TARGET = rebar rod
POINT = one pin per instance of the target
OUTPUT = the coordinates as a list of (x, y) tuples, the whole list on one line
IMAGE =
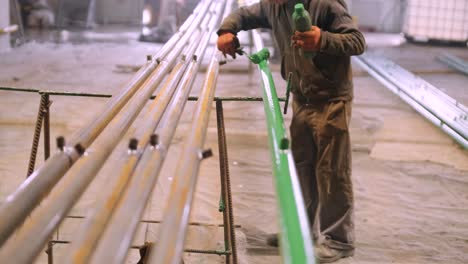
[(36, 136), (20, 203), (230, 243), (147, 221), (99, 216), (47, 126), (114, 244), (191, 98), (228, 212)]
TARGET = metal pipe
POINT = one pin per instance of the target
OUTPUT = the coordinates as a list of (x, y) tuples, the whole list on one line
[(20, 203), (99, 216), (454, 62), (114, 244)]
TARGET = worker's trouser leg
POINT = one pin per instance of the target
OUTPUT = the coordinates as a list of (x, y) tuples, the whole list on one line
[(322, 152)]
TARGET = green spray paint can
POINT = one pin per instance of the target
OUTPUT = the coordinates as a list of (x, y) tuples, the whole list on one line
[(302, 23)]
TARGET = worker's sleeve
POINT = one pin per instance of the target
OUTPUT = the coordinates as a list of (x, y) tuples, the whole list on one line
[(245, 18), (341, 37)]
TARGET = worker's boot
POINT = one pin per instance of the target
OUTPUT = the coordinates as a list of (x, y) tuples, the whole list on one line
[(326, 254)]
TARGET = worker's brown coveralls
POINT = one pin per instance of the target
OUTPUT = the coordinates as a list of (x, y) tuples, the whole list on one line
[(323, 90)]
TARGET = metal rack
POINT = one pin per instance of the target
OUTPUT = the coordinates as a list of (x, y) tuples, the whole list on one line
[(226, 203)]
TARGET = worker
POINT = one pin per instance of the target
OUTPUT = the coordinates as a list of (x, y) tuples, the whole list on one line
[(322, 90)]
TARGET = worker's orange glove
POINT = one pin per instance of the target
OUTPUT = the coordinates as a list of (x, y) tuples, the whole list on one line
[(309, 40), (228, 43)]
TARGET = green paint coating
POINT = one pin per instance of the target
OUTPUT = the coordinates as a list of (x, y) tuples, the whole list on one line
[(222, 206), (284, 145), (294, 249), (262, 55)]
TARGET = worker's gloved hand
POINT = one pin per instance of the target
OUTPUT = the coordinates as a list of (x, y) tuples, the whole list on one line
[(309, 40), (228, 43)]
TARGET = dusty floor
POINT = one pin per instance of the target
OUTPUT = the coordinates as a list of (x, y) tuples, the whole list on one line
[(410, 179)]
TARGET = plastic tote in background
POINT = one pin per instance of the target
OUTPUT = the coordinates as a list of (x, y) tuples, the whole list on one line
[(445, 21)]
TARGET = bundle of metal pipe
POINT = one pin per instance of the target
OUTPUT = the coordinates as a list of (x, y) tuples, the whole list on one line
[(17, 206), (102, 211), (116, 241), (181, 197), (131, 99), (439, 108)]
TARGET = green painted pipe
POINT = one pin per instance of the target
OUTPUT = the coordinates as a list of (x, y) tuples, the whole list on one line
[(295, 238)]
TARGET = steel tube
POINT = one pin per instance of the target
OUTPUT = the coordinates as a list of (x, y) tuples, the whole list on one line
[(19, 204), (99, 216), (454, 62), (114, 244)]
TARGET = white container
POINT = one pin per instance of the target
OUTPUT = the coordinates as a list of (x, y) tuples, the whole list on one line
[(438, 20)]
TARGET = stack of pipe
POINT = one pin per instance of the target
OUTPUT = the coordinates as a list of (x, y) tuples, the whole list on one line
[(442, 110), (110, 226)]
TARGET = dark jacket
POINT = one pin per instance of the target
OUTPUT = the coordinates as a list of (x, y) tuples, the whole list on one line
[(328, 75)]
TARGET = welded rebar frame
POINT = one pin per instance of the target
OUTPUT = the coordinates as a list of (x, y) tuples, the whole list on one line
[(230, 249)]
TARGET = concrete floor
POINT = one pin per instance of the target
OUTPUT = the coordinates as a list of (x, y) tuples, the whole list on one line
[(410, 179)]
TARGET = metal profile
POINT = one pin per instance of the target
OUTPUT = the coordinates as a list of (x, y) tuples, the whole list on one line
[(439, 108)]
